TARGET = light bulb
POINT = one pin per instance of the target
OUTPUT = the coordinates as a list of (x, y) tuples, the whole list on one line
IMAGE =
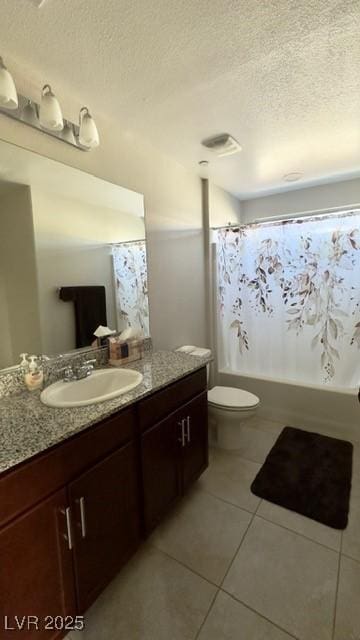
[(50, 115), (8, 94), (88, 133)]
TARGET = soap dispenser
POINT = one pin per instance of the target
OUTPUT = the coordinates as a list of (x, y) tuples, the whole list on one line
[(34, 378), (24, 364)]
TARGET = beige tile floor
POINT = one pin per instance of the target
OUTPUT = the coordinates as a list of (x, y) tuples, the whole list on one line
[(226, 565)]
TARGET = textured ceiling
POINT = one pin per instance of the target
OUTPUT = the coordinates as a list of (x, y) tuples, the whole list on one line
[(282, 76)]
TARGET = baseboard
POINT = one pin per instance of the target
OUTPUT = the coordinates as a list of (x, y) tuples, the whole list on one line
[(311, 423)]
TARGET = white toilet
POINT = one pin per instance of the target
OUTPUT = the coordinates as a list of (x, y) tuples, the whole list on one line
[(229, 410)]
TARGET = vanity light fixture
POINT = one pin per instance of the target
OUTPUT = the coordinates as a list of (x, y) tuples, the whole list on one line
[(47, 116), (50, 115), (88, 133), (67, 133), (29, 114), (8, 93)]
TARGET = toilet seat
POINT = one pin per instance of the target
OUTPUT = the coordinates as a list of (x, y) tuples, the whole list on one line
[(232, 399)]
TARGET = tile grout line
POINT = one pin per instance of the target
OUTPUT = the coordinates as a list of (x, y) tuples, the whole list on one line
[(207, 614), (272, 521), (346, 555), (302, 535), (250, 459), (220, 589), (253, 513), (337, 590), (185, 566), (261, 615), (238, 548), (192, 570), (232, 504)]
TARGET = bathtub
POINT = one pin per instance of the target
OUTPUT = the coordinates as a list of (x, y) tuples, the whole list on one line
[(329, 410)]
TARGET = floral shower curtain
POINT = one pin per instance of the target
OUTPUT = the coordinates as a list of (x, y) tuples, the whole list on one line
[(131, 291), (289, 299)]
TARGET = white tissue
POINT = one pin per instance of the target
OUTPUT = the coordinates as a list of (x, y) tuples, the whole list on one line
[(195, 351), (102, 331), (130, 333), (201, 353)]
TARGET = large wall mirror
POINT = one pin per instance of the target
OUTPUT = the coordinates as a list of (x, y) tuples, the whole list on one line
[(72, 256)]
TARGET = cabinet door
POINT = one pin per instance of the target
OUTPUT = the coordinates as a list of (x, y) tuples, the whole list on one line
[(195, 451), (105, 511), (161, 469), (36, 578)]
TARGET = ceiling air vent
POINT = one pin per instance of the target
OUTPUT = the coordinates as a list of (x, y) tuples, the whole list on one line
[(222, 145)]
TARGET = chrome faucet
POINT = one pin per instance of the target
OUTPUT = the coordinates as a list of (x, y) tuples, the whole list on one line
[(84, 370)]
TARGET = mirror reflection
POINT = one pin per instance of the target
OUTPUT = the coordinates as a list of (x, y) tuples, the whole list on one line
[(72, 256)]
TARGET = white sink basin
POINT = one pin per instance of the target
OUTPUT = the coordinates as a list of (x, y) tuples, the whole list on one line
[(101, 385)]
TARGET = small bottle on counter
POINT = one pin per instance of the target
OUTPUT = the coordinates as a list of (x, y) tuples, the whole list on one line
[(34, 377), (24, 364)]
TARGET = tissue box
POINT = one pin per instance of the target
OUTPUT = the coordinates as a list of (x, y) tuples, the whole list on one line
[(123, 351)]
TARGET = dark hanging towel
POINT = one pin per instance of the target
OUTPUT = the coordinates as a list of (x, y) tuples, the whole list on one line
[(90, 311)]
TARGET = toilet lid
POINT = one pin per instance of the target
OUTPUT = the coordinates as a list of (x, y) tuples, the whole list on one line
[(232, 397)]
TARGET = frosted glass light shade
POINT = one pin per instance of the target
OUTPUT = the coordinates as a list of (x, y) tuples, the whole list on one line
[(68, 133), (29, 114), (50, 115), (8, 93), (88, 133)]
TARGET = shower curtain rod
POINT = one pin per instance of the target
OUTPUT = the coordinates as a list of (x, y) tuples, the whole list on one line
[(116, 244), (291, 216), (308, 214), (234, 225)]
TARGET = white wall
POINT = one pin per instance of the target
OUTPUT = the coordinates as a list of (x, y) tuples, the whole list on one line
[(219, 208), (173, 218), (19, 308), (223, 207), (335, 194), (6, 347), (72, 248)]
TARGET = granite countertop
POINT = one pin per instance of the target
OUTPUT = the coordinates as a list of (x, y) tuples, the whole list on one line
[(28, 427)]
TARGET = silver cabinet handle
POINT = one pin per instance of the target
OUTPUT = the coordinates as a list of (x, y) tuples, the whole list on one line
[(188, 428), (82, 516), (68, 537), (182, 439)]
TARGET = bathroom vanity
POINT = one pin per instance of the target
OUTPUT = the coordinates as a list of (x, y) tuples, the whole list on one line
[(74, 512), (81, 486)]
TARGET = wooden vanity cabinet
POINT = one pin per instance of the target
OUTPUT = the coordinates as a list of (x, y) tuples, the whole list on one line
[(174, 451), (161, 469), (106, 522), (73, 515), (36, 575), (195, 449), (57, 556)]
